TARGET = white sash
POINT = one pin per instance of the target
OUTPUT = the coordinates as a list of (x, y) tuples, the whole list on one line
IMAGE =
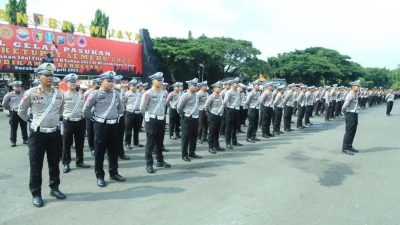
[(38, 122), (109, 107), (76, 105)]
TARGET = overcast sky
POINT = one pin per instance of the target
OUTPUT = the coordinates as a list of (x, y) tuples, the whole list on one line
[(366, 30)]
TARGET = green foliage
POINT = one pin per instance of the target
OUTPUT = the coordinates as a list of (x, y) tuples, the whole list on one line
[(316, 66), (14, 6), (100, 20), (181, 59), (70, 30)]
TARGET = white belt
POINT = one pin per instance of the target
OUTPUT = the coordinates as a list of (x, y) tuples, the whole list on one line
[(101, 120), (157, 117), (257, 107), (237, 108), (45, 130), (192, 116), (216, 114), (74, 119), (352, 110)]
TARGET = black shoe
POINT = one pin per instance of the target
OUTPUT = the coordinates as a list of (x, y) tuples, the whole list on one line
[(271, 135), (229, 146), (117, 177), (164, 150), (256, 139), (178, 136), (128, 147), (201, 141), (250, 140), (353, 150), (66, 168), (195, 156), (186, 158), (163, 164), (348, 152), (276, 133), (212, 151), (124, 157), (13, 144), (237, 144), (82, 165), (37, 201), (92, 152), (301, 127), (25, 142), (172, 138), (101, 182), (280, 132), (150, 169), (240, 131), (139, 145), (57, 194), (291, 130), (219, 149), (265, 136)]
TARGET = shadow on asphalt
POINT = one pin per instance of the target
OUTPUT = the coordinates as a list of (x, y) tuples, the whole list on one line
[(379, 149), (131, 193)]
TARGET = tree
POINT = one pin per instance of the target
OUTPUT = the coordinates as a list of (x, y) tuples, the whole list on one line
[(14, 6), (100, 20), (67, 29)]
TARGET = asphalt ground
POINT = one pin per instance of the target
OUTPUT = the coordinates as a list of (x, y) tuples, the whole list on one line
[(297, 178)]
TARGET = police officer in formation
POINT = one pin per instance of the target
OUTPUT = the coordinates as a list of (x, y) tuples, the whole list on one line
[(120, 89), (188, 108), (107, 107), (267, 111), (214, 107), (174, 118), (74, 124), (11, 102), (95, 83), (232, 100), (46, 105), (203, 120), (132, 114), (253, 104), (152, 106), (288, 101)]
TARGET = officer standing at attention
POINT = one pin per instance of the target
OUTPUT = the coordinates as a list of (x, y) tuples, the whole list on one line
[(46, 107), (107, 107), (350, 110), (95, 83), (389, 102), (132, 114), (288, 102), (203, 120), (11, 102), (121, 119), (232, 101), (301, 100), (152, 106), (74, 124), (174, 118), (215, 108), (267, 111), (188, 108), (253, 104), (278, 108), (227, 86)]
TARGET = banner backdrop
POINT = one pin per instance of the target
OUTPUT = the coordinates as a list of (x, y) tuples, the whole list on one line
[(22, 50)]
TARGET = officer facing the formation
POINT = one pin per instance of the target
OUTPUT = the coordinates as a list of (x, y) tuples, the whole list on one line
[(253, 104), (174, 118), (46, 106), (389, 99), (188, 108), (203, 120), (132, 114), (107, 106), (215, 108), (350, 110), (232, 102), (11, 102), (74, 124), (152, 106)]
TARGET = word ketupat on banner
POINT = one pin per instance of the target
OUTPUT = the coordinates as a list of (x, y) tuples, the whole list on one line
[(22, 49)]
